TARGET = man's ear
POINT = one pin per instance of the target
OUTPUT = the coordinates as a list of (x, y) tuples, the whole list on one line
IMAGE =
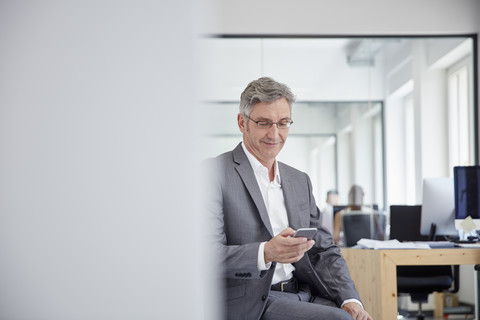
[(242, 124)]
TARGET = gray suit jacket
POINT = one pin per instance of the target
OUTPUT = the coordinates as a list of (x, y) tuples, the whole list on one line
[(240, 223)]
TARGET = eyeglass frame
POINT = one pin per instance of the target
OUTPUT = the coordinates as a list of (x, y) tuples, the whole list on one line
[(270, 123)]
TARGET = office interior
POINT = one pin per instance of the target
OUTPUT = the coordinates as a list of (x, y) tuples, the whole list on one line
[(384, 110), (99, 120), (379, 112)]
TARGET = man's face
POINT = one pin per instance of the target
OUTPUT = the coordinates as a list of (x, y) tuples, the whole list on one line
[(265, 144), (332, 199)]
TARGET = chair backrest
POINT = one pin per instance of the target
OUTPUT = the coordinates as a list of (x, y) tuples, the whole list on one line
[(405, 223), (360, 224), (405, 226)]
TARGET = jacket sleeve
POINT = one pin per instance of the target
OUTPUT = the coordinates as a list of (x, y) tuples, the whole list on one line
[(331, 277)]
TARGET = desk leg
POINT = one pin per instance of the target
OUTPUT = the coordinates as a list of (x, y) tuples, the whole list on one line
[(370, 269), (389, 288), (477, 292)]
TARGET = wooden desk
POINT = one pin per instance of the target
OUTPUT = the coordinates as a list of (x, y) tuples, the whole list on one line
[(375, 272)]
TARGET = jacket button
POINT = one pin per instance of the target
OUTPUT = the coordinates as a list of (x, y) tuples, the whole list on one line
[(264, 297)]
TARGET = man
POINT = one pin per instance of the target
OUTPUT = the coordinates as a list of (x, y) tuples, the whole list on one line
[(327, 209), (257, 204), (332, 197)]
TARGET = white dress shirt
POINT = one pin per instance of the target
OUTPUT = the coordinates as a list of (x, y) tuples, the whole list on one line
[(277, 212)]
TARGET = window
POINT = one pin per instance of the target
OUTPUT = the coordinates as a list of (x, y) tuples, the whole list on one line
[(461, 141)]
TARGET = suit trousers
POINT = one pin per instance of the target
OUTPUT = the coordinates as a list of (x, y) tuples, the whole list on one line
[(301, 306)]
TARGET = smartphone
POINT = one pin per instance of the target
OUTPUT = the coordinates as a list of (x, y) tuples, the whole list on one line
[(306, 233)]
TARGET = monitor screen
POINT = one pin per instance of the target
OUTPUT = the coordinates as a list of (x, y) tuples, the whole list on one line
[(405, 223), (341, 207), (467, 188), (438, 207), (337, 209)]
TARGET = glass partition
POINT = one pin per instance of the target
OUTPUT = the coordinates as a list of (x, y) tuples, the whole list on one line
[(370, 111)]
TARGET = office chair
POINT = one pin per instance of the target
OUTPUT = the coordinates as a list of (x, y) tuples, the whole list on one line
[(418, 281), (360, 224)]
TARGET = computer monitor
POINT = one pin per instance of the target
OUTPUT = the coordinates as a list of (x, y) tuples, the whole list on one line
[(438, 207), (338, 208), (467, 188), (405, 223)]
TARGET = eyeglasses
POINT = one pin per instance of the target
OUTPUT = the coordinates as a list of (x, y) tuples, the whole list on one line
[(265, 124)]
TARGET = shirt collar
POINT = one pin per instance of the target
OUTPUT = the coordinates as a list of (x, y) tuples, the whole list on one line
[(257, 166)]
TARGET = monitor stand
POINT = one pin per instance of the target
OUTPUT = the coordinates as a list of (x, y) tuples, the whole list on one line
[(433, 232)]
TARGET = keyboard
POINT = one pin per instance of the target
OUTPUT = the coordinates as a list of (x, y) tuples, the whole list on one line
[(438, 244), (468, 245)]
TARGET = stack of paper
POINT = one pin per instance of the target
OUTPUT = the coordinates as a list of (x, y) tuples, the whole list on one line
[(390, 244)]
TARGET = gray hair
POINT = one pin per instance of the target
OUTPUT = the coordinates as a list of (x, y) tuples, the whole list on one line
[(264, 90)]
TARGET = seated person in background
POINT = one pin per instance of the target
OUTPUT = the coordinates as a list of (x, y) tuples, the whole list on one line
[(327, 209), (332, 198), (355, 203), (256, 203)]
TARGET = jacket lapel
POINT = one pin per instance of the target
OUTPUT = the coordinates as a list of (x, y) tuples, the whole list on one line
[(295, 220), (245, 171)]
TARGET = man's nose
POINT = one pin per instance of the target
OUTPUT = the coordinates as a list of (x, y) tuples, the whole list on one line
[(273, 130)]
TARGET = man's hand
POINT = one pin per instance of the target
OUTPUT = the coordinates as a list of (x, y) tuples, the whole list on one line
[(356, 311), (284, 248)]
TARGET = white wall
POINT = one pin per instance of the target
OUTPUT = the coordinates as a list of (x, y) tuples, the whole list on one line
[(314, 17), (96, 162)]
